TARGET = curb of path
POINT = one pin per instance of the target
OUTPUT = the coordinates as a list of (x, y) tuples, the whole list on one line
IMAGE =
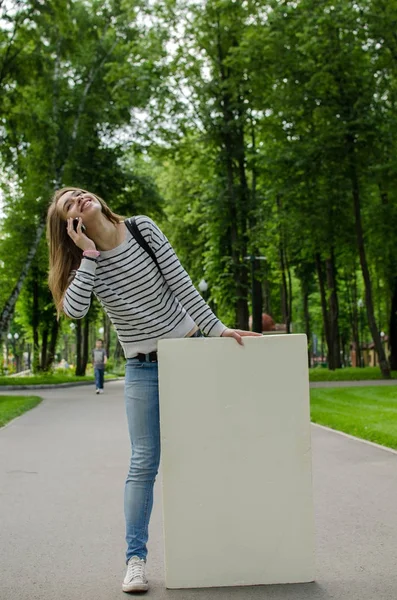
[(46, 386), (356, 439), (353, 383)]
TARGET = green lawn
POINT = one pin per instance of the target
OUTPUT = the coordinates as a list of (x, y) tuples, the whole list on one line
[(365, 412), (317, 374), (347, 374), (13, 406), (48, 379), (43, 379)]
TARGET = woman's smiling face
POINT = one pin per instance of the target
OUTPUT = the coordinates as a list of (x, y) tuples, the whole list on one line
[(78, 203)]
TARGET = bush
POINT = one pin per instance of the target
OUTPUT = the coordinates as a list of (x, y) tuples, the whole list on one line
[(116, 367)]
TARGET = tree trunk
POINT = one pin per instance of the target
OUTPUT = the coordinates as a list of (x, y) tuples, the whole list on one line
[(66, 348), (306, 314), (53, 343), (44, 341), (107, 333), (323, 297), (243, 215), (257, 295), (333, 313), (239, 266), (267, 305), (86, 337), (285, 303), (393, 329), (29, 356), (322, 345), (118, 351), (355, 324), (256, 298), (384, 366), (284, 291), (234, 153), (289, 294), (241, 311), (35, 322), (79, 366), (391, 306)]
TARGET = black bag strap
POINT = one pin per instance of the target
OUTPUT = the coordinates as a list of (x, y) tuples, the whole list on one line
[(136, 234)]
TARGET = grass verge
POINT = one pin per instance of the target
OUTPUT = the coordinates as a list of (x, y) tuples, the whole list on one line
[(14, 406), (43, 379), (49, 379), (369, 413), (347, 374)]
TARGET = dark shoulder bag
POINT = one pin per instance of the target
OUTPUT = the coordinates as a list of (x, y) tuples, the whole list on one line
[(136, 234)]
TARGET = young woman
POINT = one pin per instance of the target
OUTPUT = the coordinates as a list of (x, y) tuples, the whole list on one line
[(145, 302)]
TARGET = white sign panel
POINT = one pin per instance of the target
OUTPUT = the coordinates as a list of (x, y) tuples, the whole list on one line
[(236, 459)]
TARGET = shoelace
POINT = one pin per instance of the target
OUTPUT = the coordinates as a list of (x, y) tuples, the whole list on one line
[(136, 570)]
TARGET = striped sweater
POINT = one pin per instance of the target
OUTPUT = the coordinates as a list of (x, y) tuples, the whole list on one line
[(143, 304)]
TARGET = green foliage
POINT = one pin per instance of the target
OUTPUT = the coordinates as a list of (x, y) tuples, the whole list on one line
[(326, 76), (65, 99), (241, 127), (115, 368)]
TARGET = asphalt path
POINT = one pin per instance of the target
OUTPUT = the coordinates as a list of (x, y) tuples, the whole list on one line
[(62, 471)]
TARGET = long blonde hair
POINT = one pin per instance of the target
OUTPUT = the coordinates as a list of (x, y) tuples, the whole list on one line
[(64, 254)]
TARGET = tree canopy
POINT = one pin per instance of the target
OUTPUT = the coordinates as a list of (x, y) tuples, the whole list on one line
[(260, 135)]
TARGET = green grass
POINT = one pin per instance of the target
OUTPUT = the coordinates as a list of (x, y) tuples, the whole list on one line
[(13, 406), (347, 374), (49, 379), (43, 379), (369, 413)]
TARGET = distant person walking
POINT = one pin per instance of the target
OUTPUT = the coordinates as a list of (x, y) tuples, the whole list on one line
[(99, 360)]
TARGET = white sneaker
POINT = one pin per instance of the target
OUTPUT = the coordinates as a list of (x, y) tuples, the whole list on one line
[(97, 391), (100, 390), (135, 579)]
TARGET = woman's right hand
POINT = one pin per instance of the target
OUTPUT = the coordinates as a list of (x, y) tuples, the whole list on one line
[(78, 237)]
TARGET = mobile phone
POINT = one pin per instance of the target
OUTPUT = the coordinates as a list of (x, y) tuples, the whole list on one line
[(75, 223)]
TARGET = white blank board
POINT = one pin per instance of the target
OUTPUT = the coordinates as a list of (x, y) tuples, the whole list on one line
[(236, 459)]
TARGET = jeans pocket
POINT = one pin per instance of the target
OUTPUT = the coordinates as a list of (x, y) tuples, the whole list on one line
[(134, 365)]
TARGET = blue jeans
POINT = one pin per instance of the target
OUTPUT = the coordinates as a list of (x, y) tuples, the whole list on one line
[(142, 407), (99, 377), (143, 415)]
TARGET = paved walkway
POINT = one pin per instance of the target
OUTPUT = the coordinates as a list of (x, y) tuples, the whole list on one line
[(62, 470)]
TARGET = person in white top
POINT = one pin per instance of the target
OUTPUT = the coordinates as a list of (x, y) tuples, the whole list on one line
[(148, 296)]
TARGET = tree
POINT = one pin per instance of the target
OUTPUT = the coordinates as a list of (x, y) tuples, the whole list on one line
[(72, 83)]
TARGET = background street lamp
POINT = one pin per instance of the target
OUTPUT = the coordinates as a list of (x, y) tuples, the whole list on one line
[(9, 337), (203, 287), (13, 339)]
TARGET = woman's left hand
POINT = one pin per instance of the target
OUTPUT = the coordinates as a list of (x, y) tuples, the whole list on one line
[(238, 334)]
